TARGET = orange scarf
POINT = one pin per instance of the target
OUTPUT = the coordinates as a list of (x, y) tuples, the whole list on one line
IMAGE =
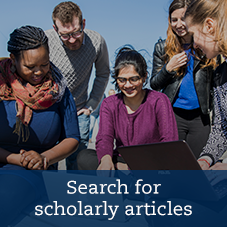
[(27, 96)]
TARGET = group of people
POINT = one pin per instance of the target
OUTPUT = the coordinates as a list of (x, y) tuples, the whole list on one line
[(45, 108)]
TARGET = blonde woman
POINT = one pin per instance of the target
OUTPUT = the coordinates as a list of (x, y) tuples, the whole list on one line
[(206, 21)]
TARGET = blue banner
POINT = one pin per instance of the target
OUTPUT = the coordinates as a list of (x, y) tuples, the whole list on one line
[(113, 198)]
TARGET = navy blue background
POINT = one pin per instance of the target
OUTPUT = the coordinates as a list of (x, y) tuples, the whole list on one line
[(21, 191)]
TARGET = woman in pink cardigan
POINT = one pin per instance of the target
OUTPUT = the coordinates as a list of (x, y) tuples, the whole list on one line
[(132, 117)]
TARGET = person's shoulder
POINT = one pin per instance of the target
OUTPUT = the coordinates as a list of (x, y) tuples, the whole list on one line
[(91, 32), (94, 36), (221, 68), (220, 75), (160, 45), (54, 43), (50, 32), (5, 61), (156, 95), (112, 100), (52, 35), (67, 100), (66, 95)]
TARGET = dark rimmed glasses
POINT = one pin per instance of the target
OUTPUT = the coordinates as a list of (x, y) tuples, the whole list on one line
[(132, 80), (75, 35)]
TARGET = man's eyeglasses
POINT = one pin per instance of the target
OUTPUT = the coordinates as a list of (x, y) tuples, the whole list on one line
[(75, 35), (132, 80)]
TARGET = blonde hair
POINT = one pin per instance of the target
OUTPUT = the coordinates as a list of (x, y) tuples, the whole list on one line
[(199, 10)]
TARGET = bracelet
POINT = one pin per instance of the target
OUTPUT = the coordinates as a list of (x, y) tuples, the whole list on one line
[(205, 161)]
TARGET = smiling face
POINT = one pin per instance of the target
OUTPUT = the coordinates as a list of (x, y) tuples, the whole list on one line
[(133, 86), (177, 22), (68, 28), (32, 65), (204, 37)]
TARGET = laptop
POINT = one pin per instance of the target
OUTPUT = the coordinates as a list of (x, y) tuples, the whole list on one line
[(174, 155), (165, 158)]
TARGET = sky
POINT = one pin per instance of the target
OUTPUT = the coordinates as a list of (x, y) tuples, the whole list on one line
[(138, 23)]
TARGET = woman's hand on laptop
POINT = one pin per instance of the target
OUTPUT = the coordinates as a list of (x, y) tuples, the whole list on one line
[(122, 166), (106, 164), (204, 163), (219, 166)]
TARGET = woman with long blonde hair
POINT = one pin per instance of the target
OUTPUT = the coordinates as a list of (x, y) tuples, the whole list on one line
[(182, 73), (206, 21)]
